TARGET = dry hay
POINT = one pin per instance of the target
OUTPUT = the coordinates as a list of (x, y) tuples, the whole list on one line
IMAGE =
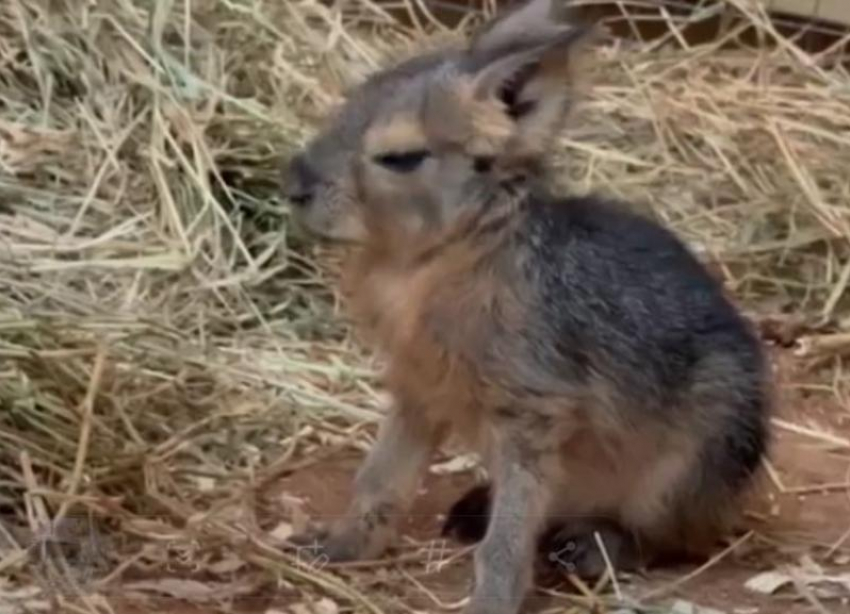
[(168, 347)]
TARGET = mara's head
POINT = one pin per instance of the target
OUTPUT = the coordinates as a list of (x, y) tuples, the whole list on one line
[(420, 145)]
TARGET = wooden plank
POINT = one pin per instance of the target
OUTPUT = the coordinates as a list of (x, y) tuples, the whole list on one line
[(831, 11), (836, 11)]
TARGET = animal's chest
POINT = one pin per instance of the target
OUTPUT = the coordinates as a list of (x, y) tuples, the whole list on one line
[(432, 328)]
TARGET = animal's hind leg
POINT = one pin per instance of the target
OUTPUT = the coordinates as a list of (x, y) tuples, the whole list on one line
[(586, 547), (570, 546)]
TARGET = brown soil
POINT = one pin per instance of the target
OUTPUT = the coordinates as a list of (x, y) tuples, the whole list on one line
[(785, 525)]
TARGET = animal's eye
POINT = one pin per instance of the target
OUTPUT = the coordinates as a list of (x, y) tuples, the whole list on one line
[(402, 162)]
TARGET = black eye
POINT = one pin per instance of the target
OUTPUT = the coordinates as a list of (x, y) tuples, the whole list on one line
[(402, 162), (483, 164)]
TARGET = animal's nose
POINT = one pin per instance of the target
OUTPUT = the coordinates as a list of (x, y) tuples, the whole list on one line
[(300, 181)]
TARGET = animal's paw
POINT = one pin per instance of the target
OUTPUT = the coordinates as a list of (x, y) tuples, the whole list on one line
[(475, 607), (479, 605), (576, 550), (350, 540)]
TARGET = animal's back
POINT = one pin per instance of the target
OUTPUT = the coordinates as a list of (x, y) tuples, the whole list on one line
[(621, 294), (673, 373)]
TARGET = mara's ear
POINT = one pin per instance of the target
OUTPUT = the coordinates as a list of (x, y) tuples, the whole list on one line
[(527, 21), (523, 65)]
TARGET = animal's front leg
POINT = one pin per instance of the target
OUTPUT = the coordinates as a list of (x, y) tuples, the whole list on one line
[(383, 489), (504, 562)]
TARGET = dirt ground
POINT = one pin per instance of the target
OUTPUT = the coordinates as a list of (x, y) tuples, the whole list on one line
[(810, 518)]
